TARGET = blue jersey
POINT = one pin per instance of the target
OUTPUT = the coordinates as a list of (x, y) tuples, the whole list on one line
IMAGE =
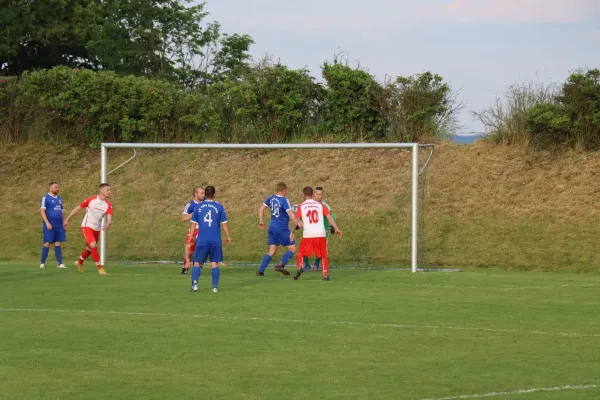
[(54, 209), (209, 215), (279, 205), (190, 207)]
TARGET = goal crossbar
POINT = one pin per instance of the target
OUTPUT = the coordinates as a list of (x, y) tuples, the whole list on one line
[(414, 147)]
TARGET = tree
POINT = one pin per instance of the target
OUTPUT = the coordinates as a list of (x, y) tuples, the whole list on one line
[(350, 104), (421, 106), (160, 38), (573, 118), (39, 34), (220, 57), (288, 100)]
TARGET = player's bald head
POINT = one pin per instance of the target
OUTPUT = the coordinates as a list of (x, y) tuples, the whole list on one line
[(198, 192)]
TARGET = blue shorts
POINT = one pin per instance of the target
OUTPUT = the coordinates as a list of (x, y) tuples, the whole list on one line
[(203, 253), (56, 234), (280, 238)]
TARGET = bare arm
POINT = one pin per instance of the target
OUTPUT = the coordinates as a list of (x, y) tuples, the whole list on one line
[(261, 214), (186, 217), (45, 218), (297, 224), (75, 211), (225, 226), (332, 223), (108, 222)]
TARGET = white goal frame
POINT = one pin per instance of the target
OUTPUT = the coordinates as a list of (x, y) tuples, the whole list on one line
[(225, 146)]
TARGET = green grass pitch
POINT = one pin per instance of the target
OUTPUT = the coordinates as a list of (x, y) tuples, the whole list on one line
[(138, 333)]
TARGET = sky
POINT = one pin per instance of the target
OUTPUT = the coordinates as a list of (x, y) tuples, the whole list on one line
[(480, 47)]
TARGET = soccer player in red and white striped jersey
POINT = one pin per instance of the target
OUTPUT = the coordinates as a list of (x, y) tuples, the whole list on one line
[(314, 236), (96, 208)]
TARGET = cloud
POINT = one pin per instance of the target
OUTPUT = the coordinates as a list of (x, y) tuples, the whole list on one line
[(516, 11)]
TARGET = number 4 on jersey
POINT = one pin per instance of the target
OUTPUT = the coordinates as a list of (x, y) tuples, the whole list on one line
[(208, 218)]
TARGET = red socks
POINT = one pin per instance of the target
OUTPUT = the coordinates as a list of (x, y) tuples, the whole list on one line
[(84, 255), (325, 266), (95, 255)]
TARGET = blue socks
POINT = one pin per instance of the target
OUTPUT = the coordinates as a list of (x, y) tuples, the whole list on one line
[(196, 274), (216, 274), (318, 262), (265, 262), (58, 254), (287, 256), (45, 251)]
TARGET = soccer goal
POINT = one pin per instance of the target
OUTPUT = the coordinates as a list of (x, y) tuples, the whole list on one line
[(414, 168)]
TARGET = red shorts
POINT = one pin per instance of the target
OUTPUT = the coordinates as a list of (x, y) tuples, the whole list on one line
[(190, 239), (90, 235), (318, 245)]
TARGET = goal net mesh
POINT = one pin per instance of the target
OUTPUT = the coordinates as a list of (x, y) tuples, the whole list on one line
[(369, 190)]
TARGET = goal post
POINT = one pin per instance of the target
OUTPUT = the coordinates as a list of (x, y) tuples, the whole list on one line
[(413, 147)]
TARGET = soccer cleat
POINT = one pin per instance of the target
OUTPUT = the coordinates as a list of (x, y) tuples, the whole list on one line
[(184, 271), (79, 266), (315, 267), (281, 268), (194, 287), (61, 266), (307, 267), (326, 278), (300, 271), (259, 273), (101, 271), (42, 266), (215, 290)]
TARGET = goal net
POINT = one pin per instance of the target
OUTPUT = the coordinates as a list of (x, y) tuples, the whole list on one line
[(378, 192)]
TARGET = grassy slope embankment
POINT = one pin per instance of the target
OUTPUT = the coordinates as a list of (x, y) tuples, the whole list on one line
[(486, 205)]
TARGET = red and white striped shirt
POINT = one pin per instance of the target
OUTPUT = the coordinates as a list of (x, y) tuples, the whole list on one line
[(96, 210)]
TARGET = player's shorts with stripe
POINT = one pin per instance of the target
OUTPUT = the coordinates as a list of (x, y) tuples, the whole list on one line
[(191, 238), (56, 234), (203, 253), (90, 235), (190, 241), (317, 245), (280, 237)]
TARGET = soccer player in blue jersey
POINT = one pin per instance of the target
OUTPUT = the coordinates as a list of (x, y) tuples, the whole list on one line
[(279, 233), (209, 216), (190, 240), (51, 211)]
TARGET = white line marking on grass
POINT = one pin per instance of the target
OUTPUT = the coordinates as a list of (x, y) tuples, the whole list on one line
[(426, 285), (522, 391), (299, 321), (549, 286), (412, 284)]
